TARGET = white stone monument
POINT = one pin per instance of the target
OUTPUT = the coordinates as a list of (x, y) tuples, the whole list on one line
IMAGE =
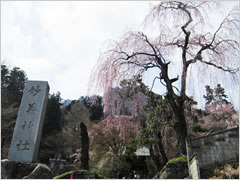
[(28, 128)]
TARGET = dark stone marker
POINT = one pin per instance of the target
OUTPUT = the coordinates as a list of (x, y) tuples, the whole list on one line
[(85, 147)]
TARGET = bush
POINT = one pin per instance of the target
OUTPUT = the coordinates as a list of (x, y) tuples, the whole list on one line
[(151, 167), (177, 160), (199, 128), (175, 168)]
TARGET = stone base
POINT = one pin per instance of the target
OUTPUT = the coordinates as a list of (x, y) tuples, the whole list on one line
[(20, 170), (174, 170)]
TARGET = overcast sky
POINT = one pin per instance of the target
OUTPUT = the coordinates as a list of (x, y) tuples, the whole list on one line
[(60, 41)]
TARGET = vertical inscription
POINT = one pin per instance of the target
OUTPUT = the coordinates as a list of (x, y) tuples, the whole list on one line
[(23, 146), (26, 146), (27, 133), (34, 90), (26, 125), (31, 108)]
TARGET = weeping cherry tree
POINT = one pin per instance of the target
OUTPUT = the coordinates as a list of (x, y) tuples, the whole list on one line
[(184, 36)]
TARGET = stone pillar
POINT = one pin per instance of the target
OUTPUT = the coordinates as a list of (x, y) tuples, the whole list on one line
[(28, 128)]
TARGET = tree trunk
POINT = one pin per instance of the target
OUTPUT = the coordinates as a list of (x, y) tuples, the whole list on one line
[(180, 126), (181, 129), (163, 154), (85, 147), (155, 159)]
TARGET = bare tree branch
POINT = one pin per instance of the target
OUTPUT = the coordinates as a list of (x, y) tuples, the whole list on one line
[(154, 82), (221, 68)]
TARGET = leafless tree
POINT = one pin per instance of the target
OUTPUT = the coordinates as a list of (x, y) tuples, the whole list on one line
[(184, 37)]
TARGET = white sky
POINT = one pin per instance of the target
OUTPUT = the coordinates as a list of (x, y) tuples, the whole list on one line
[(60, 41)]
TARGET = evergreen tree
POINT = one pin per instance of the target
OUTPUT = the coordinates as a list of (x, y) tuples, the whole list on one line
[(12, 85), (94, 105), (220, 94), (4, 85), (4, 76), (216, 95), (52, 142), (54, 118), (209, 97), (157, 116), (16, 85)]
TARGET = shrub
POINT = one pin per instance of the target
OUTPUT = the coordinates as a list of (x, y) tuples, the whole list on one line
[(199, 128)]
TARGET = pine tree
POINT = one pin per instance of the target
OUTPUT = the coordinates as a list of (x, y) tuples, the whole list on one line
[(54, 118), (210, 98), (216, 95), (220, 94), (12, 85)]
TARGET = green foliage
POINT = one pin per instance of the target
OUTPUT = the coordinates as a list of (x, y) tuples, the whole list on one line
[(16, 85), (62, 175), (116, 167), (218, 94), (4, 76), (76, 172), (181, 159), (95, 108), (109, 168), (189, 103), (151, 167), (199, 128), (158, 113), (54, 118), (157, 116), (177, 160), (97, 156), (96, 112), (147, 137), (95, 171), (130, 87), (209, 97), (131, 147), (12, 85), (124, 167), (98, 150), (53, 141)]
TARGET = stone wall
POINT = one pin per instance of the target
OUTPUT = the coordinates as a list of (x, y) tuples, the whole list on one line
[(194, 168), (215, 149)]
